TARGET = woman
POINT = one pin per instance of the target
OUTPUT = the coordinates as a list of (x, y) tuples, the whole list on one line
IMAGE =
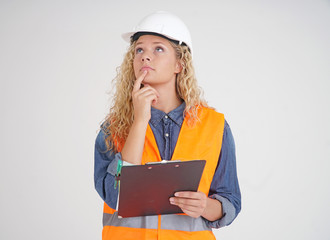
[(158, 108)]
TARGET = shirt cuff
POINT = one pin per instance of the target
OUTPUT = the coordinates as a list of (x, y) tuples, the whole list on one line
[(228, 211), (112, 168)]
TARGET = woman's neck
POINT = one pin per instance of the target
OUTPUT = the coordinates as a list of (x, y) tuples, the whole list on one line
[(168, 99)]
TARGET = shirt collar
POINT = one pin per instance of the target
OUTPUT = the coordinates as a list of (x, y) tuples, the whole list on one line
[(175, 115)]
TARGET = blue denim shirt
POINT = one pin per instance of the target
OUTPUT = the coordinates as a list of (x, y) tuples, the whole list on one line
[(166, 129)]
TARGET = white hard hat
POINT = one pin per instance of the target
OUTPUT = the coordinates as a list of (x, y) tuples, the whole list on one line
[(165, 24)]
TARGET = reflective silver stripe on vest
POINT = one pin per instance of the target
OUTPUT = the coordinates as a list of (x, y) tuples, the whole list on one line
[(183, 223), (150, 222), (168, 222)]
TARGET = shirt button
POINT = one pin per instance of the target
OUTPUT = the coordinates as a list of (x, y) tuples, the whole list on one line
[(166, 134), (166, 116)]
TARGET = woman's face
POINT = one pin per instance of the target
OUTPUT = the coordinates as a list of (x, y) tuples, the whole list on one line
[(157, 56)]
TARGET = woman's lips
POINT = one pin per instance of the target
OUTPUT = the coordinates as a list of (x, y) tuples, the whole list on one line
[(146, 68)]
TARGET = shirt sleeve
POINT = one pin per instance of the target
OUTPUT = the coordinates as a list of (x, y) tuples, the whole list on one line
[(224, 186), (105, 168)]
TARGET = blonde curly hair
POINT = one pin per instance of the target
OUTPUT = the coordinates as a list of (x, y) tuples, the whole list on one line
[(120, 118)]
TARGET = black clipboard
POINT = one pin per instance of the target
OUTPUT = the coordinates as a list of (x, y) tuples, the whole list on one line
[(146, 189)]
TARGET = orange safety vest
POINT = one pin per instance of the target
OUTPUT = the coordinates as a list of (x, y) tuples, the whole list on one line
[(203, 141)]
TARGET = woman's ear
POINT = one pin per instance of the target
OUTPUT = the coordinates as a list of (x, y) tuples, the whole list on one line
[(178, 66)]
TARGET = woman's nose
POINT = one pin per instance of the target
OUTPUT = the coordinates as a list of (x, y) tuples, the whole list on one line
[(146, 57)]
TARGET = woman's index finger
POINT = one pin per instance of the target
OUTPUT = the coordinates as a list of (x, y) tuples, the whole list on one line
[(138, 81), (189, 194)]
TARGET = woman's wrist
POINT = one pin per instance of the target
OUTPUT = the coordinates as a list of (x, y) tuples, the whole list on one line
[(213, 210), (140, 123), (133, 148)]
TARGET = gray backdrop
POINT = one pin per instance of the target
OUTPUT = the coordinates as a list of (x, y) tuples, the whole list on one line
[(264, 64)]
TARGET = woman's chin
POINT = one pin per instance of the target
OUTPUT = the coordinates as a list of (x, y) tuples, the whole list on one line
[(148, 80)]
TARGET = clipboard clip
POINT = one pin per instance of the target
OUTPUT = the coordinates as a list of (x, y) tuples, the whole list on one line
[(164, 162)]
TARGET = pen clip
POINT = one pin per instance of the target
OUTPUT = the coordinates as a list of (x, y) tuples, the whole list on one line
[(117, 181), (117, 176)]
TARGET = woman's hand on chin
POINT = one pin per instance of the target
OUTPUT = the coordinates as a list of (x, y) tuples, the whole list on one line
[(143, 98)]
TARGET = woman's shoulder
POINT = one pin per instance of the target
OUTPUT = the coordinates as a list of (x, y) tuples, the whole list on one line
[(105, 126), (102, 135), (210, 111)]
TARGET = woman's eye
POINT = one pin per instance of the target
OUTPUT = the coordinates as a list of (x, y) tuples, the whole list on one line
[(138, 50), (159, 49)]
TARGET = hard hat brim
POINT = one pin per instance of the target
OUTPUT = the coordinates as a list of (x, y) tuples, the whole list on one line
[(127, 36)]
